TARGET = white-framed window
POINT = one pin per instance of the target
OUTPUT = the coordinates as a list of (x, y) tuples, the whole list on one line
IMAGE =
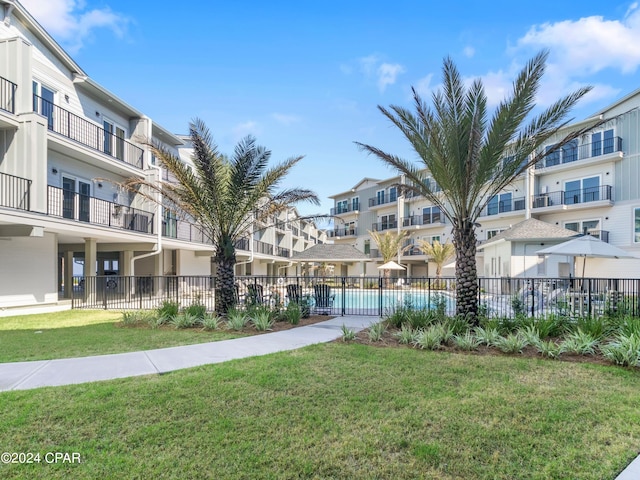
[(500, 203), (493, 232), (432, 185), (388, 221), (114, 136), (602, 142), (592, 227), (431, 215), (44, 101), (393, 194), (341, 206), (582, 190), (76, 197), (355, 204), (379, 197)]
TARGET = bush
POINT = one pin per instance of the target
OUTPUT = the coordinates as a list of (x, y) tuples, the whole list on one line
[(466, 341), (261, 319), (580, 343), (135, 317), (623, 350), (549, 349), (197, 310), (486, 336), (347, 333), (210, 321), (377, 331), (236, 319), (596, 327), (183, 320), (530, 334), (406, 335), (292, 313), (512, 343), (431, 338), (167, 310)]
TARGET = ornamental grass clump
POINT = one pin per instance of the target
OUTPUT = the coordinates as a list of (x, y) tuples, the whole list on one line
[(377, 331), (184, 320), (210, 321), (347, 333), (512, 343), (549, 348), (406, 335), (261, 319), (293, 313), (623, 350), (430, 338), (487, 336), (466, 341), (579, 343), (236, 319)]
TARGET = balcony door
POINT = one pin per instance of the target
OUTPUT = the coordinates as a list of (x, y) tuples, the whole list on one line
[(76, 197), (113, 139), (44, 104)]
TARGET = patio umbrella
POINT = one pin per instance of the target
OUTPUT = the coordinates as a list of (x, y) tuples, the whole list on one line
[(586, 246), (391, 266)]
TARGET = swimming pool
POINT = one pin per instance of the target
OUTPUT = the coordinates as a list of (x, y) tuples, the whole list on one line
[(366, 301)]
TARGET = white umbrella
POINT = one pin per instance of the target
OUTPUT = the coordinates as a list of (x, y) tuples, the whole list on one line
[(391, 266), (586, 246)]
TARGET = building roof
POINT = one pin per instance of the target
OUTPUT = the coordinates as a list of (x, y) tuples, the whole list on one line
[(330, 253), (531, 229)]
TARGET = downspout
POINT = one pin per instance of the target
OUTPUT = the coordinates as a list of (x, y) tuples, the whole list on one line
[(158, 220)]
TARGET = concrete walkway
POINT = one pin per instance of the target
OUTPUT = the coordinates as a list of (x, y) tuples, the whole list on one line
[(67, 371)]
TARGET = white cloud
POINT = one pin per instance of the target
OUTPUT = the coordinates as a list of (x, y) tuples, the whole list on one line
[(285, 119), (468, 51), (368, 64), (71, 23), (423, 86), (249, 127), (388, 73)]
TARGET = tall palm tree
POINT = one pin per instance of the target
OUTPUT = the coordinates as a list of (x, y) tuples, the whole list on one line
[(225, 196), (439, 253), (389, 245), (472, 157)]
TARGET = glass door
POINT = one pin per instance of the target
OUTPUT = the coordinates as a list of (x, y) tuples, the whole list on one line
[(84, 201), (68, 197)]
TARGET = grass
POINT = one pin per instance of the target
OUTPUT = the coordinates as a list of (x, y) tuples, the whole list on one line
[(320, 413), (79, 333)]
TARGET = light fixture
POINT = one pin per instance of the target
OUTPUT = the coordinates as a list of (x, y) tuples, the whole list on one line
[(99, 185), (54, 170)]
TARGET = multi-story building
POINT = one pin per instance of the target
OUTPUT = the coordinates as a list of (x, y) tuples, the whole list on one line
[(65, 143), (591, 184)]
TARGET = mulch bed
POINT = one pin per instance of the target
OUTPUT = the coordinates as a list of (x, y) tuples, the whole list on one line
[(283, 325)]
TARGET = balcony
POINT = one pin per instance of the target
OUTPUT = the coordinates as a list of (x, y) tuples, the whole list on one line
[(599, 234), (242, 244), (343, 232), (412, 250), (380, 226), (342, 208), (383, 200), (15, 192), (283, 252), (497, 208), (89, 134), (7, 95), (262, 247), (573, 197), (417, 220), (184, 230), (573, 153), (84, 208)]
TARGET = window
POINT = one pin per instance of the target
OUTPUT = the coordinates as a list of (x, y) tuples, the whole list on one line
[(553, 156), (570, 151), (636, 223), (170, 224), (542, 265), (341, 206), (367, 247), (387, 221), (432, 185), (591, 227), (43, 102), (431, 215), (500, 203), (76, 198), (582, 190), (598, 146), (113, 139), (355, 204), (494, 232), (379, 197)]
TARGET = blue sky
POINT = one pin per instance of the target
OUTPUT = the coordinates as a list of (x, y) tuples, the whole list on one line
[(306, 77)]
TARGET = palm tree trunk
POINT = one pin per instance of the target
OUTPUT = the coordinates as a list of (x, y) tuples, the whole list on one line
[(225, 259), (464, 240)]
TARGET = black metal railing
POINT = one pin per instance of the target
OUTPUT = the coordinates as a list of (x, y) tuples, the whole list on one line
[(503, 206), (572, 197), (262, 247), (499, 297), (84, 208), (342, 232), (573, 153), (243, 244), (341, 208), (375, 201), (599, 234), (426, 219), (81, 130), (15, 192), (380, 226), (282, 252), (184, 230), (7, 95)]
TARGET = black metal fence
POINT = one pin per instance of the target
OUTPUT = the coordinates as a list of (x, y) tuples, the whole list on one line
[(7, 95), (15, 192), (498, 297)]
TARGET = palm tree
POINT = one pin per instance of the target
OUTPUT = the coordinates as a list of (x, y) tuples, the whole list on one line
[(389, 245), (473, 158), (225, 196), (439, 253)]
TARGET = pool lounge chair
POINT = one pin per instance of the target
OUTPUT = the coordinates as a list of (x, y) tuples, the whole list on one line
[(323, 299), (294, 293), (256, 296)]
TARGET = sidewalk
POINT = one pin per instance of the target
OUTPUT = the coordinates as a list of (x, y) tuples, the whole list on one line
[(67, 371)]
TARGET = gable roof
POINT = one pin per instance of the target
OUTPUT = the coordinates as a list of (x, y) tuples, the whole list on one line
[(330, 252), (531, 229)]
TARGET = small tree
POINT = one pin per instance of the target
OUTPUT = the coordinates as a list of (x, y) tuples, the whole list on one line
[(389, 245), (439, 253)]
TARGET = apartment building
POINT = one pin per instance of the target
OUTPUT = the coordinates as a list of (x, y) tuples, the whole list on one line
[(590, 185), (65, 143)]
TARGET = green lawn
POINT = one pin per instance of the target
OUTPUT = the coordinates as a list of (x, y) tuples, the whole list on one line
[(337, 411), (79, 333)]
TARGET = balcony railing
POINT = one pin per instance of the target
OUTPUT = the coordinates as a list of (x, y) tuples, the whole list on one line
[(380, 226), (77, 128), (283, 252), (375, 201), (430, 219), (572, 197), (599, 234), (84, 208), (7, 95), (341, 208), (262, 247), (184, 230), (513, 205), (242, 244), (343, 232), (15, 192), (572, 153)]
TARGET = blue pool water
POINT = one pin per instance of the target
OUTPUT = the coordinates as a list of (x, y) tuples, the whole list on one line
[(355, 300)]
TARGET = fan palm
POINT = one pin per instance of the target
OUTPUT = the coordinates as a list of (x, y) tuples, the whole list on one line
[(389, 245), (439, 253), (471, 157), (225, 196)]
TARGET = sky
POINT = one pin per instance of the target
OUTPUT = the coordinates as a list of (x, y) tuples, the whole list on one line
[(306, 78)]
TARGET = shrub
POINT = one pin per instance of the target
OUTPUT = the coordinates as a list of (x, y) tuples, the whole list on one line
[(440, 305), (211, 321), (430, 338), (512, 343), (530, 334), (486, 336), (197, 310), (466, 341), (135, 317), (552, 325), (596, 327), (549, 349), (183, 320), (293, 313), (261, 319), (629, 326), (623, 350), (167, 310), (377, 331), (406, 335), (457, 325), (236, 319), (580, 343), (347, 333)]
